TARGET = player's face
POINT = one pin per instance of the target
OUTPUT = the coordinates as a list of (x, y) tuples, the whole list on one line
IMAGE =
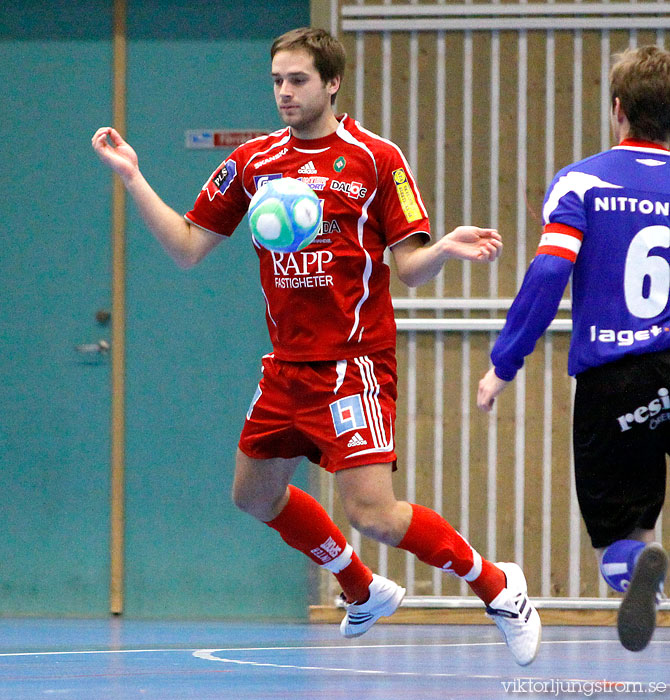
[(302, 98)]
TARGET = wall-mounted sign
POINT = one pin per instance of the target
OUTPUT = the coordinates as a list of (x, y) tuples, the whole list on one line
[(220, 138)]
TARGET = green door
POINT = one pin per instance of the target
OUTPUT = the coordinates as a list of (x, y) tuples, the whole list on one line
[(54, 278)]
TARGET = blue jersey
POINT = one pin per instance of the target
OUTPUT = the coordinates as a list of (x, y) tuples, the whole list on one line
[(606, 222)]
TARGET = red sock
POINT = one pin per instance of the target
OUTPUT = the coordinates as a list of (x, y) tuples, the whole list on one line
[(305, 526), (433, 541)]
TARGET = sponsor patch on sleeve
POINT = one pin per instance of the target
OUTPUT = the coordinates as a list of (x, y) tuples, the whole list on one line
[(221, 180), (406, 196)]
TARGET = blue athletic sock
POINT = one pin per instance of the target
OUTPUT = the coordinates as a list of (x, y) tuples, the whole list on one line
[(619, 561)]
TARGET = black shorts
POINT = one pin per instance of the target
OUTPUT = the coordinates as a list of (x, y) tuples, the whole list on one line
[(621, 434)]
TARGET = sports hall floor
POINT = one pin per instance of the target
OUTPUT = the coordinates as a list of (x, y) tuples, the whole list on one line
[(119, 659)]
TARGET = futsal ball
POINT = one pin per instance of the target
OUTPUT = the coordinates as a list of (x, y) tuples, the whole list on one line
[(285, 215)]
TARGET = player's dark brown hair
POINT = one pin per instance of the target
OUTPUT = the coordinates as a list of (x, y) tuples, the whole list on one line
[(327, 52), (640, 78)]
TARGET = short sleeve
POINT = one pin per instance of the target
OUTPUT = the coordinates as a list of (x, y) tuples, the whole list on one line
[(402, 210), (222, 202)]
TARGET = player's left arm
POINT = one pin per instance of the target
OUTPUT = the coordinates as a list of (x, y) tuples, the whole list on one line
[(532, 311), (418, 263)]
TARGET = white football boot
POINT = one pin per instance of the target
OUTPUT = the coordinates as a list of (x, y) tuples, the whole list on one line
[(515, 617), (385, 597)]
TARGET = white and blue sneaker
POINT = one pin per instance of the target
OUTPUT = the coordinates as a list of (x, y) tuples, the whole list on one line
[(385, 597), (636, 620), (515, 616)]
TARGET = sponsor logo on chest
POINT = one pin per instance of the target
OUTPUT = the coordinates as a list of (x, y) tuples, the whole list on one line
[(316, 183), (270, 159), (355, 190), (302, 270), (308, 169)]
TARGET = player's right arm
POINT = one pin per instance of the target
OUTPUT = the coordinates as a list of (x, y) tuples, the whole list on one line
[(185, 242)]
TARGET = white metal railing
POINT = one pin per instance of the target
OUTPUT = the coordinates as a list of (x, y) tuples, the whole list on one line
[(522, 16), (462, 324), (438, 325), (442, 316)]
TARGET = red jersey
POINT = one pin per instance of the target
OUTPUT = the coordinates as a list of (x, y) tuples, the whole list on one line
[(331, 300)]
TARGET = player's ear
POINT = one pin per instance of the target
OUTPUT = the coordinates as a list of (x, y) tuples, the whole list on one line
[(333, 85), (617, 111)]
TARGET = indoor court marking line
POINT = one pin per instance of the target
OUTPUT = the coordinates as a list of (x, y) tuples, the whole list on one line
[(208, 655), (309, 648), (93, 651)]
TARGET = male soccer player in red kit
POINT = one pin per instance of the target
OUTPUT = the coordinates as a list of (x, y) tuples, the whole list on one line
[(328, 388)]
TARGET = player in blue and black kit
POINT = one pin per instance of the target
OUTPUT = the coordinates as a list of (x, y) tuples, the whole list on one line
[(607, 223)]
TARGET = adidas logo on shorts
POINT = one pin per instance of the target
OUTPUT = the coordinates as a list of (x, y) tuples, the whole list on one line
[(357, 441), (308, 169)]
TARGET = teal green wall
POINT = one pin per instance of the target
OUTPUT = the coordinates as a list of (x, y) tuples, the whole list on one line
[(54, 406), (194, 338)]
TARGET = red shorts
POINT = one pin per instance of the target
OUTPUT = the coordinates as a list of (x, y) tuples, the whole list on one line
[(338, 414)]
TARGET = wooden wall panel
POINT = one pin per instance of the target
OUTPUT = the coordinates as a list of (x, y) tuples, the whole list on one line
[(577, 132)]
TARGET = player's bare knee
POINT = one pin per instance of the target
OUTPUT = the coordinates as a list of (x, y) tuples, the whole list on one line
[(242, 499), (260, 504), (248, 501), (372, 523)]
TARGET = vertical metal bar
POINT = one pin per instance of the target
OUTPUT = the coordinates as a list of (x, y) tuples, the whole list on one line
[(495, 151), (413, 148), (604, 90), (386, 85), (520, 412), (520, 394), (546, 465), (438, 442), (386, 96), (467, 149), (577, 149), (464, 526), (117, 496), (492, 441), (411, 446), (550, 117), (577, 101), (522, 107), (360, 77), (438, 230), (413, 111), (550, 98), (413, 155), (437, 222), (334, 15), (519, 465)]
